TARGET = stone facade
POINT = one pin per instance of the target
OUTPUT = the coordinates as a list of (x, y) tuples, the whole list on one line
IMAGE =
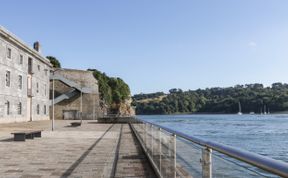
[(24, 81), (69, 84)]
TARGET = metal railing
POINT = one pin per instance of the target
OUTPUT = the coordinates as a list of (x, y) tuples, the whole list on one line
[(159, 143)]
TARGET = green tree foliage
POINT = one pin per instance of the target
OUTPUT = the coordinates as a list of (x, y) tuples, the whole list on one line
[(112, 90), (146, 96), (253, 98), (54, 61)]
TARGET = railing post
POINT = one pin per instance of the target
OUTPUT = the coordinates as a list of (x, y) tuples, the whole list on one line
[(160, 152), (264, 163), (143, 132), (206, 163), (174, 154), (145, 140), (152, 142)]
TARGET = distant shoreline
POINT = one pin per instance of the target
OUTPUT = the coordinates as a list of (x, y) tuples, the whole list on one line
[(274, 113)]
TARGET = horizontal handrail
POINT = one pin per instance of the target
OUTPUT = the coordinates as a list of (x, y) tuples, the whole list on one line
[(276, 167)]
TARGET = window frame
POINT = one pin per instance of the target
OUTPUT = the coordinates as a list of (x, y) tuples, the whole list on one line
[(21, 59), (7, 107), (45, 110), (45, 89), (19, 108), (6, 80), (20, 85), (37, 87), (38, 109), (9, 52)]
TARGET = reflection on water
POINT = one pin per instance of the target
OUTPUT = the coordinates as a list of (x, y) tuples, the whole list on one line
[(262, 134)]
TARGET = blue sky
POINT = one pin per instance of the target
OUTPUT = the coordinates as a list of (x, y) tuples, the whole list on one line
[(159, 45)]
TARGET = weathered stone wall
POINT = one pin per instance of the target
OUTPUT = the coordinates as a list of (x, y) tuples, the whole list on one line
[(81, 77), (15, 95), (90, 106), (60, 88), (90, 101), (41, 93)]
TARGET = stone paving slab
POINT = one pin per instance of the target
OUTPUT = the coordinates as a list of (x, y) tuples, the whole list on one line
[(91, 150), (131, 159)]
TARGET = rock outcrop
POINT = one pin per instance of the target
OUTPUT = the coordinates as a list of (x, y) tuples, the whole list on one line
[(123, 109)]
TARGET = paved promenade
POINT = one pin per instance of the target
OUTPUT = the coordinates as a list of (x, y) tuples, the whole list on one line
[(92, 150)]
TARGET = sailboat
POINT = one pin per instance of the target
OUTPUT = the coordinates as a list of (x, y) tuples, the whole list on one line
[(265, 110), (240, 110)]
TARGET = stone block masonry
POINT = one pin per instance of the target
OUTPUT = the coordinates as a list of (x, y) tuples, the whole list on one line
[(24, 81), (74, 88)]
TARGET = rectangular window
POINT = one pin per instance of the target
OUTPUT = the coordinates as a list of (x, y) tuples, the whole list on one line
[(38, 109), (30, 65), (45, 88), (19, 108), (38, 67), (45, 111), (21, 59), (37, 87), (7, 105), (46, 72), (20, 82), (9, 53), (8, 75)]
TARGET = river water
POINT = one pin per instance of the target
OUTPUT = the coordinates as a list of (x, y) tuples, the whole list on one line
[(263, 134)]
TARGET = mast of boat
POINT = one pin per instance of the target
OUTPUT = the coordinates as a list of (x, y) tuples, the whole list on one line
[(240, 109), (265, 109)]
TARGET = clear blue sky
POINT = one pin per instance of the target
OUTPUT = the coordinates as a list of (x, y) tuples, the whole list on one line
[(159, 45)]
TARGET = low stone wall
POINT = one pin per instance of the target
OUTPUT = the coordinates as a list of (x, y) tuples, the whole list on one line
[(116, 120)]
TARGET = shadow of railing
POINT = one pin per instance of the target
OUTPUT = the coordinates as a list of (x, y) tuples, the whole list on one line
[(70, 170)]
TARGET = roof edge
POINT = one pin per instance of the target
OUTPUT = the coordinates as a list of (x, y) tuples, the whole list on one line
[(14, 39)]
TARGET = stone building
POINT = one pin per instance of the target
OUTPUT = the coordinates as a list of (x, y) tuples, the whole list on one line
[(24, 80), (76, 92)]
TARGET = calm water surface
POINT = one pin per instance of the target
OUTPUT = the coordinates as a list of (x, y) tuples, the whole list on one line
[(263, 134)]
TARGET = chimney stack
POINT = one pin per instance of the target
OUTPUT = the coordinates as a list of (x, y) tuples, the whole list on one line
[(37, 46)]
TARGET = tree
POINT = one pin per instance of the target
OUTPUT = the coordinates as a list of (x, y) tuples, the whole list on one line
[(113, 90), (253, 98), (54, 61)]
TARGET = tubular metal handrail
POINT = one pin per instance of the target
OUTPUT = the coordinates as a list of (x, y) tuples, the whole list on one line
[(270, 165)]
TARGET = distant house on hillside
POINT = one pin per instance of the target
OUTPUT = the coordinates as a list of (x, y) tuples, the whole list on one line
[(24, 80), (69, 85)]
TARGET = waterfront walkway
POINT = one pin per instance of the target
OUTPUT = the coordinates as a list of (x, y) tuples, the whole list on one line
[(92, 150)]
